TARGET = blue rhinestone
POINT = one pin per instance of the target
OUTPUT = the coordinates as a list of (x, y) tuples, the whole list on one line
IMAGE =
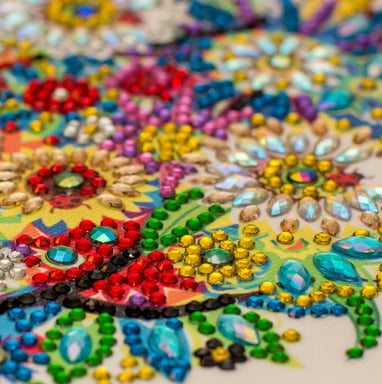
[(75, 345), (338, 310), (236, 328), (296, 312), (23, 374), (41, 358), (11, 345), (52, 308), (138, 350), (24, 325), (177, 374), (174, 323), (62, 255), (255, 302), (165, 341), (38, 317), (103, 235), (319, 310), (133, 339), (275, 305), (19, 356), (294, 277), (16, 314), (9, 367), (131, 329), (29, 339)]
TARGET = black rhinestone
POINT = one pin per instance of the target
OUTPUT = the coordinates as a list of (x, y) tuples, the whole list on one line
[(26, 299), (170, 312), (72, 302), (96, 275), (241, 102), (151, 313), (102, 306), (132, 311), (239, 359), (132, 253), (236, 349), (49, 294), (193, 306), (119, 260), (227, 365), (214, 343), (109, 268), (201, 352), (89, 305), (211, 304), (226, 299), (84, 283), (8, 304), (207, 361), (62, 288)]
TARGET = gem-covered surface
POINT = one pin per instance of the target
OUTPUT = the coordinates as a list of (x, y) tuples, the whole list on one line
[(180, 181)]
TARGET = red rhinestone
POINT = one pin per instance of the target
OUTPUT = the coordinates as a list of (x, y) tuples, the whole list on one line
[(95, 258), (157, 298), (134, 235), (24, 239), (156, 256), (74, 273), (40, 278), (41, 242), (43, 172), (33, 180), (87, 225), (125, 243), (135, 268), (106, 222), (116, 279), (90, 173), (149, 287), (105, 250), (165, 266), (86, 266), (101, 285), (87, 191), (189, 284), (143, 261), (61, 240), (151, 275), (57, 168), (77, 233), (134, 278), (98, 182), (116, 292), (40, 189), (51, 140), (57, 275), (131, 225), (10, 127), (31, 261), (79, 168), (169, 278), (83, 245)]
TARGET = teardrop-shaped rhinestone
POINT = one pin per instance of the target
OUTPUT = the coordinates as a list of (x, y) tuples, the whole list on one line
[(354, 25), (253, 149), (302, 176), (236, 183), (103, 235), (218, 256), (335, 267), (242, 159), (226, 169), (309, 209), (280, 61), (273, 144), (62, 255), (237, 329), (68, 180), (335, 100), (361, 201), (250, 196), (266, 45), (279, 205), (326, 146), (370, 219), (359, 247), (294, 277), (288, 45), (353, 154), (166, 342), (298, 143), (337, 208), (374, 191), (260, 81), (75, 345), (301, 81)]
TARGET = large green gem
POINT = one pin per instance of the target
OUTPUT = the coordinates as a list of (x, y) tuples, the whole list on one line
[(103, 235), (62, 255), (218, 256), (68, 180)]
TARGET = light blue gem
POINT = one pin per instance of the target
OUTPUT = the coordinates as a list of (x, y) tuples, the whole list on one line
[(301, 81), (359, 247), (279, 205), (374, 191), (326, 146), (235, 183), (103, 235), (298, 143), (309, 209), (365, 203), (62, 255), (166, 342), (251, 196), (353, 155), (337, 208), (75, 345), (289, 45), (218, 256), (335, 100), (236, 328), (273, 144), (374, 67), (253, 149), (335, 267), (294, 277)]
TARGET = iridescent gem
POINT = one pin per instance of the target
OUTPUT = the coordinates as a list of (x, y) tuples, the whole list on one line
[(253, 149), (237, 329), (226, 169), (301, 81), (250, 213), (75, 345), (302, 176), (373, 190), (236, 183), (337, 208), (273, 144), (62, 255), (359, 247), (68, 180), (335, 267), (361, 201), (260, 81), (242, 158), (353, 154), (309, 209), (294, 277), (280, 61), (218, 256), (326, 146), (166, 342), (334, 100), (374, 67), (103, 235), (289, 45), (250, 196), (279, 205), (266, 45), (298, 143)]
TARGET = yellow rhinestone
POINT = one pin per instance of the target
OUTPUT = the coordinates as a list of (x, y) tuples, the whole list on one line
[(181, 137), (215, 278), (319, 78), (258, 119), (379, 284), (205, 269), (361, 232), (246, 243), (145, 373), (45, 117), (322, 238), (259, 258), (285, 297), (193, 143), (369, 291), (291, 160), (288, 189), (145, 137), (227, 271), (193, 250), (379, 276), (330, 185), (270, 172), (310, 191), (282, 83), (277, 38), (126, 376), (228, 245), (292, 118), (166, 156), (220, 354), (328, 287), (128, 362), (345, 291), (104, 381), (90, 129), (148, 147), (240, 75), (228, 55), (240, 253), (35, 126), (285, 238), (309, 160), (220, 235), (169, 127), (376, 113), (193, 260), (206, 242), (367, 83), (291, 335), (112, 93), (251, 230), (89, 111), (243, 263), (317, 296), (324, 166), (186, 271), (267, 288), (175, 255), (335, 60), (303, 301), (186, 240), (343, 124), (244, 273), (275, 182), (150, 129), (276, 163), (101, 373)]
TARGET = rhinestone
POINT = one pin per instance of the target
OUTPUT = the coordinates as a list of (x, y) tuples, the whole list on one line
[(326, 146), (294, 277), (279, 205), (353, 154), (302, 176), (103, 235), (62, 255), (75, 345), (17, 273), (226, 169), (361, 201), (374, 191), (250, 196), (289, 224), (220, 197), (253, 148), (68, 180), (280, 61), (235, 183), (218, 256), (16, 256), (298, 143), (6, 265), (242, 159), (335, 100), (370, 219), (330, 225), (309, 209), (236, 328), (250, 213), (359, 247), (337, 208), (273, 144), (165, 341)]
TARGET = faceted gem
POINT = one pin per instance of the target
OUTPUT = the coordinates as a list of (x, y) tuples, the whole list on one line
[(250, 213), (361, 201), (237, 329), (289, 224), (75, 345), (103, 235), (279, 205), (326, 146), (335, 100), (294, 277), (353, 154), (337, 208), (273, 144), (165, 341), (298, 143), (68, 180), (359, 247), (218, 256), (253, 149), (235, 183), (62, 255), (330, 225), (301, 81), (242, 158), (280, 61), (226, 169), (335, 267), (374, 191), (260, 81), (374, 67), (302, 176), (370, 219), (309, 209), (250, 196)]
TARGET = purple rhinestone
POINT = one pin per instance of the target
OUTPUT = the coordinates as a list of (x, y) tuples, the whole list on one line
[(24, 249), (137, 299)]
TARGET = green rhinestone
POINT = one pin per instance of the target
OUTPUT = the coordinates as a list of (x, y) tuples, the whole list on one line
[(172, 205), (232, 309), (54, 334), (259, 353), (104, 350), (94, 360), (369, 341), (181, 198), (54, 368), (160, 214), (77, 314), (68, 180), (168, 239), (251, 316), (48, 345), (107, 329), (104, 317), (206, 218), (206, 328), (364, 309), (154, 224), (275, 346), (280, 357), (264, 324), (354, 353), (197, 317), (149, 244), (78, 371), (64, 321), (365, 320), (149, 233), (194, 224), (355, 301), (271, 336), (195, 193), (61, 377), (372, 330), (107, 340), (216, 210), (180, 231)]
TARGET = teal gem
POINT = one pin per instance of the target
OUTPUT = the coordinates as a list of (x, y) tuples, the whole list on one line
[(335, 100), (218, 256), (335, 267), (326, 146), (279, 205), (301, 176), (266, 45), (166, 342), (237, 329), (294, 277), (253, 149), (273, 144), (68, 180), (353, 154), (289, 45), (337, 208), (359, 247), (103, 235), (62, 255), (251, 196), (75, 345)]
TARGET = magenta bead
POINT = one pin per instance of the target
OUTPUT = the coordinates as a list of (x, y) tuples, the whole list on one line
[(108, 145), (145, 157), (167, 191)]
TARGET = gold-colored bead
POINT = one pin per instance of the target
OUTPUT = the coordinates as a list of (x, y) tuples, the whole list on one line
[(322, 238), (329, 185), (240, 75), (291, 160), (206, 269), (317, 296), (343, 124), (304, 301), (169, 127), (251, 230), (10, 103), (128, 362), (227, 271), (285, 238), (175, 255), (126, 376), (328, 287), (282, 83), (146, 373), (367, 83), (376, 113), (104, 381), (288, 189), (243, 263), (275, 182), (215, 278), (379, 284), (270, 172), (267, 288), (148, 147), (228, 245), (324, 166), (220, 235), (101, 373), (244, 274), (258, 119), (246, 243), (193, 260), (285, 297), (369, 291), (206, 242), (35, 126), (335, 60), (379, 276), (193, 250), (291, 335), (309, 160), (187, 271), (275, 163), (259, 258), (310, 191), (318, 78), (240, 253), (220, 354), (361, 232), (45, 117), (345, 291), (292, 118), (186, 240)]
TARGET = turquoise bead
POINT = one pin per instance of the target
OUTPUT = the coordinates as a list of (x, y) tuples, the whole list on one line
[(294, 277), (166, 342), (103, 235)]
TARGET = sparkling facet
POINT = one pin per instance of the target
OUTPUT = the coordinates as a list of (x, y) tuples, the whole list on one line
[(337, 208), (250, 196), (242, 159), (326, 146), (361, 201), (75, 345), (68, 180), (359, 247), (294, 277), (62, 255), (273, 144), (302, 176), (301, 81), (253, 149), (279, 205), (250, 213), (103, 235), (353, 154), (309, 209), (226, 169), (373, 190), (235, 183), (298, 143), (237, 329), (165, 341), (218, 256)]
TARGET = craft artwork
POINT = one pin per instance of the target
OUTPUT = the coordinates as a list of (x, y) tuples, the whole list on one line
[(189, 188)]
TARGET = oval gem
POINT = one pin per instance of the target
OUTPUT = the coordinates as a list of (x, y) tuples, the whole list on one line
[(359, 247), (218, 256), (273, 144), (251, 196), (326, 146), (279, 205), (353, 154), (75, 345), (294, 277), (302, 176), (237, 329), (165, 341), (62, 255), (309, 209), (68, 180), (337, 208)]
